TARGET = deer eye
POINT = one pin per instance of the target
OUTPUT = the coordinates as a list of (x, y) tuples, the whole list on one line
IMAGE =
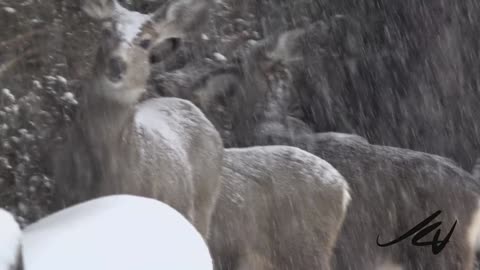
[(174, 43), (145, 43), (165, 49)]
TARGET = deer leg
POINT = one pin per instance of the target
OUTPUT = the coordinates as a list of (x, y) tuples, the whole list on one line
[(207, 183), (207, 189)]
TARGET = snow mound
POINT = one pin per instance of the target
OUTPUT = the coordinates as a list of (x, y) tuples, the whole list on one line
[(115, 232), (10, 236)]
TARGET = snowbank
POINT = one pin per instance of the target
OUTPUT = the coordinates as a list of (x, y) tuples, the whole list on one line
[(10, 236), (115, 232)]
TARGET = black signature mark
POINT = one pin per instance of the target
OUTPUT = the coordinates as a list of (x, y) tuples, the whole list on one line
[(422, 230)]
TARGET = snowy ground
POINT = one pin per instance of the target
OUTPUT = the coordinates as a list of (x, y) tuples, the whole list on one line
[(115, 232)]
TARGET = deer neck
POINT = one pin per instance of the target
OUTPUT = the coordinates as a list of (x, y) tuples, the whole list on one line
[(105, 121), (102, 148)]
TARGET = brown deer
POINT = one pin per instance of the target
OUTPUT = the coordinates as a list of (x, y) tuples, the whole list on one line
[(392, 189), (162, 148), (280, 208)]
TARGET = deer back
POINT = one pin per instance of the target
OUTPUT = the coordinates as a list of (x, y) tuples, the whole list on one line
[(291, 205)]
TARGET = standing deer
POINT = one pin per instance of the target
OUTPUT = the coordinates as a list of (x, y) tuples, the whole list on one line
[(234, 96), (279, 208), (392, 189), (409, 186), (162, 148)]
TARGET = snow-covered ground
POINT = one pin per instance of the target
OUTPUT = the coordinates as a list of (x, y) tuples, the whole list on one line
[(10, 236), (114, 232)]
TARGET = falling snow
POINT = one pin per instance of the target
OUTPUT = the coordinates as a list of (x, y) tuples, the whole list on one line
[(395, 74)]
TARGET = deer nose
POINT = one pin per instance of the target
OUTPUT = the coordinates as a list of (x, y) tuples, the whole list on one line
[(116, 68)]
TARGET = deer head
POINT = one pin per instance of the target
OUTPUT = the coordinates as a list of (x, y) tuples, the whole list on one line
[(235, 98), (122, 64)]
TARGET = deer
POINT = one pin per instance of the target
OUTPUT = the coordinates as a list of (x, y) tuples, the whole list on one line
[(279, 208), (392, 189), (162, 148), (410, 186), (111, 232)]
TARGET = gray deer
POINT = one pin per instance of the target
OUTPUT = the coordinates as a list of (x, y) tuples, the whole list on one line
[(392, 189), (162, 148), (280, 208)]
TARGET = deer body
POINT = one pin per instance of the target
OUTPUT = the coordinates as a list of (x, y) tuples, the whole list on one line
[(279, 208), (161, 148), (164, 149), (392, 189)]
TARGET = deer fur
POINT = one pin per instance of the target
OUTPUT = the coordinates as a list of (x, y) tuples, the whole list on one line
[(162, 148), (409, 186), (392, 189), (279, 208), (224, 94)]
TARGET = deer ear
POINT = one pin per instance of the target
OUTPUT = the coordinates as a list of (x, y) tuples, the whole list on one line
[(216, 89), (287, 47), (99, 9), (179, 18)]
